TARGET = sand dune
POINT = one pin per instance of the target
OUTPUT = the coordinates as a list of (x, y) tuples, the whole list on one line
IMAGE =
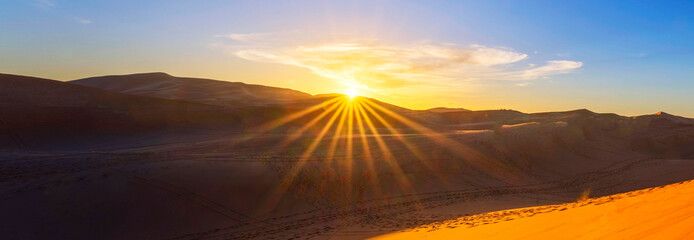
[(665, 212), (214, 92), (186, 181), (39, 110), (445, 110)]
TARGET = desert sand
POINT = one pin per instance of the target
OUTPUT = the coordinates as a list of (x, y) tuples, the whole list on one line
[(183, 167), (665, 212)]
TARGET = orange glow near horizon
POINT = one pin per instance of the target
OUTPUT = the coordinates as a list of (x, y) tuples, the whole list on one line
[(351, 126), (351, 93)]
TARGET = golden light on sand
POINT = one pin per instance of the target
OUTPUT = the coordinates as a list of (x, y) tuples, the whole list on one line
[(340, 134)]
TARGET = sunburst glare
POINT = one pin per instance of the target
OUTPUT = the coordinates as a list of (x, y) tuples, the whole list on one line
[(353, 139), (352, 93)]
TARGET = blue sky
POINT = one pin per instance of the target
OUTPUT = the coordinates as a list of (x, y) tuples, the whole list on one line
[(628, 57)]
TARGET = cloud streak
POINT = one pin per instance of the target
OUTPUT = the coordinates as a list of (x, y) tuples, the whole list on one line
[(246, 37), (376, 66), (49, 5), (82, 20), (552, 68), (44, 4)]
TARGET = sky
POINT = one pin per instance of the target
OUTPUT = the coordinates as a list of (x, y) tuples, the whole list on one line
[(625, 57)]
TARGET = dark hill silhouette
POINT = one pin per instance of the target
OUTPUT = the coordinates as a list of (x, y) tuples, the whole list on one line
[(142, 167), (42, 107), (445, 109), (213, 92), (127, 103)]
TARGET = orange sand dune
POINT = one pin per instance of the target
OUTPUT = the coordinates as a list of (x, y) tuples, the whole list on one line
[(656, 213)]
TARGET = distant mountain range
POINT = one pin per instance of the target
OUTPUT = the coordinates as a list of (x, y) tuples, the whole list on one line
[(155, 156), (198, 90), (126, 103)]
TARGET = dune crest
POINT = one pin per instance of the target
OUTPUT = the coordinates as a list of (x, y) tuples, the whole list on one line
[(665, 212), (189, 166), (199, 90)]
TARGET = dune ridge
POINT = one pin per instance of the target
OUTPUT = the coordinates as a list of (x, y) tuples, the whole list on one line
[(664, 212), (195, 170), (214, 92)]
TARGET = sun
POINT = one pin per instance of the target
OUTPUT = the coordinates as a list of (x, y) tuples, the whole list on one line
[(351, 93)]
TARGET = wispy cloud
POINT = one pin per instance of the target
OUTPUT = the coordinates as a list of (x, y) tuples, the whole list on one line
[(378, 66), (551, 68), (246, 37), (50, 4), (44, 4), (82, 20)]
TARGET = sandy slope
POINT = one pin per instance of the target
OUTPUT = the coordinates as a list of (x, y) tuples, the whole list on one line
[(209, 188), (197, 184), (656, 213), (35, 102), (41, 113), (214, 92)]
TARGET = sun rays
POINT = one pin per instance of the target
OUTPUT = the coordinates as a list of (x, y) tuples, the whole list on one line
[(350, 139), (352, 93)]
